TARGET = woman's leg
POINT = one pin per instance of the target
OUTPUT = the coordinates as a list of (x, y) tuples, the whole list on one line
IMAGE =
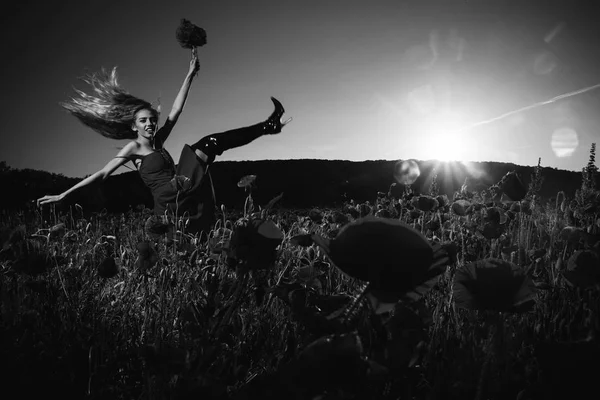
[(215, 144)]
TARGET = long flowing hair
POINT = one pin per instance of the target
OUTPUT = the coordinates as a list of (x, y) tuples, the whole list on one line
[(109, 110)]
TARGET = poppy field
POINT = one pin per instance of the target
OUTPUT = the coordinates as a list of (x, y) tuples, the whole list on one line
[(481, 295)]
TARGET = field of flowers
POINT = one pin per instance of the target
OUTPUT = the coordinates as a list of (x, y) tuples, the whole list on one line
[(490, 295)]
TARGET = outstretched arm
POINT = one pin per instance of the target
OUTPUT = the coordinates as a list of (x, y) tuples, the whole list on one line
[(122, 157)]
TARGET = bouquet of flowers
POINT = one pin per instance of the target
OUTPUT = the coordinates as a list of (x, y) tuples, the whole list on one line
[(189, 35)]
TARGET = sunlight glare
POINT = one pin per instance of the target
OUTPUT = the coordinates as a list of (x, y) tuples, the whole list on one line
[(442, 141)]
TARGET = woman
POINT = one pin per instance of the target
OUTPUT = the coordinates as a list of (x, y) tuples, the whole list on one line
[(177, 191)]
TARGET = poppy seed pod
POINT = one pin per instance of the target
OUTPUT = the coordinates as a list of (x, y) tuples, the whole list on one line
[(246, 181)]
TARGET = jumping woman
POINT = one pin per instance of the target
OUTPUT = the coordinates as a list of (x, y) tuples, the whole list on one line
[(182, 189)]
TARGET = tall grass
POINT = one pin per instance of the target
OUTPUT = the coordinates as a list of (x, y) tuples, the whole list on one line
[(186, 324)]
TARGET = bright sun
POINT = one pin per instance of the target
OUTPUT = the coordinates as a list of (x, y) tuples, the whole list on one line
[(444, 147), (441, 139)]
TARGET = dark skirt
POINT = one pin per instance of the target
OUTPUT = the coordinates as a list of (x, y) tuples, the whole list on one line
[(187, 196)]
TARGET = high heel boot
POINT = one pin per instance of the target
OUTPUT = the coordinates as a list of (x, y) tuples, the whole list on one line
[(215, 144), (273, 125)]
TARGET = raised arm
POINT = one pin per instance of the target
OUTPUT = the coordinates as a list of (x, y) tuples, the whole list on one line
[(121, 158), (179, 103), (185, 89)]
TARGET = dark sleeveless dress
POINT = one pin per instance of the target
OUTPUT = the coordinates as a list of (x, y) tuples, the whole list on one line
[(178, 191)]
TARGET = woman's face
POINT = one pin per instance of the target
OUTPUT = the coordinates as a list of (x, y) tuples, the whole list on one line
[(145, 123)]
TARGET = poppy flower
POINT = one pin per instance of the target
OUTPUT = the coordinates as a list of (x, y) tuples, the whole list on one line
[(387, 253), (383, 213), (442, 200), (492, 230), (583, 269), (354, 213), (512, 185), (156, 226), (57, 230), (108, 268), (425, 203), (315, 215), (180, 183), (433, 225), (495, 215), (254, 244), (147, 256), (495, 285), (364, 209), (572, 234), (461, 207), (339, 218), (414, 214)]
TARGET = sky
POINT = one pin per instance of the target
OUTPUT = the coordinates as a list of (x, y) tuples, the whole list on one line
[(362, 80)]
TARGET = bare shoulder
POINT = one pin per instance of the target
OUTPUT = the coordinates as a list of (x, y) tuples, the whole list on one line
[(133, 147), (130, 150)]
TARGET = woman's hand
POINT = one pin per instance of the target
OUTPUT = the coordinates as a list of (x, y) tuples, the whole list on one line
[(50, 199), (194, 63)]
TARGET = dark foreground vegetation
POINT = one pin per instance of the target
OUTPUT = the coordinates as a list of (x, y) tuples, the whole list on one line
[(91, 308)]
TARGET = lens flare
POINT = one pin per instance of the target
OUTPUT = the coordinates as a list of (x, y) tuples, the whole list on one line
[(554, 32), (406, 172), (564, 142), (544, 63)]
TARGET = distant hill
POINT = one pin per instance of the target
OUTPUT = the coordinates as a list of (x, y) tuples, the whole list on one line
[(304, 183)]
